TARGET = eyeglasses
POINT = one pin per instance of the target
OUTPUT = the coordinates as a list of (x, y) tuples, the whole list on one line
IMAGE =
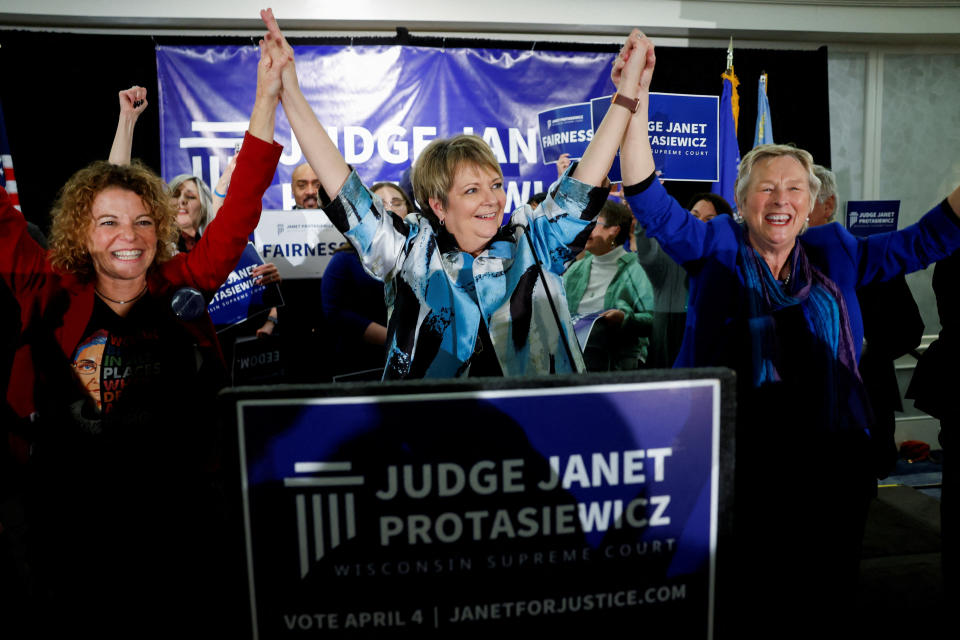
[(396, 202), (86, 366)]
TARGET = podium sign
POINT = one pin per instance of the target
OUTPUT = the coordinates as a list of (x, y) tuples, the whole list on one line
[(448, 508)]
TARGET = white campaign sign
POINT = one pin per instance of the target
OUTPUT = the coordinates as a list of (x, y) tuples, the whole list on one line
[(300, 242)]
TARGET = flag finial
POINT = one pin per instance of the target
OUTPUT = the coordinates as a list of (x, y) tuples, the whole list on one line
[(730, 54)]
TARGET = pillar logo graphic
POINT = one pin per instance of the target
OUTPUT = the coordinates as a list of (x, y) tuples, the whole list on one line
[(330, 516)]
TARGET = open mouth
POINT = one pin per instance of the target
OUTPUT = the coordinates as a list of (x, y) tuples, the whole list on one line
[(778, 219), (127, 254), (486, 216)]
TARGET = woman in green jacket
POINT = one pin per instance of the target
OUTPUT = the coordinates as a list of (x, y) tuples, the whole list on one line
[(610, 281)]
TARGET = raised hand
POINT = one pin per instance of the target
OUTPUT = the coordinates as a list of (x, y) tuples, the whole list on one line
[(132, 103), (278, 47), (133, 100), (562, 163), (633, 66), (269, 72), (273, 60)]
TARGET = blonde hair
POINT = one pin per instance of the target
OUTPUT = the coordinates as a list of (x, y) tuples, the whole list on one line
[(206, 198), (765, 151), (437, 167), (72, 216)]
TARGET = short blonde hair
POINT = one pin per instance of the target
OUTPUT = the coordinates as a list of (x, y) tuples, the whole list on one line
[(765, 151), (437, 166), (72, 216)]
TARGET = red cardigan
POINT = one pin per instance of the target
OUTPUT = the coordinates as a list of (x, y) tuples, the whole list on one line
[(64, 302)]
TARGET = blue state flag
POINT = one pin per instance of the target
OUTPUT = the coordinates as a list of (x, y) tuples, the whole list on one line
[(729, 148), (763, 134)]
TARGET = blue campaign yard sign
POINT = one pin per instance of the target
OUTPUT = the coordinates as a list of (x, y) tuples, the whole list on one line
[(867, 217), (240, 297), (684, 135), (566, 129), (461, 511)]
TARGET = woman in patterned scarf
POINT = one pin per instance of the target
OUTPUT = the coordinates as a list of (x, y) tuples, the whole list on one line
[(472, 297)]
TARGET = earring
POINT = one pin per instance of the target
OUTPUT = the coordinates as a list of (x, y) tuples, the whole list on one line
[(441, 222)]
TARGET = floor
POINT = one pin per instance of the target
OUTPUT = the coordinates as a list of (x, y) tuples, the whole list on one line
[(901, 589)]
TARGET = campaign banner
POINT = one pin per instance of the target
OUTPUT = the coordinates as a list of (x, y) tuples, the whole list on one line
[(452, 511), (381, 106), (240, 297), (566, 129), (299, 242), (684, 135), (867, 217)]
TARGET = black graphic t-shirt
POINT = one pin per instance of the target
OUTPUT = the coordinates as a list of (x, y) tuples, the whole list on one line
[(134, 360), (142, 379)]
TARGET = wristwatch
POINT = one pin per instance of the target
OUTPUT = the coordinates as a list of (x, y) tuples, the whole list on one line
[(631, 104)]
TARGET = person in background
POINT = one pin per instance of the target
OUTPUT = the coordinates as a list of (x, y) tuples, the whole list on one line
[(355, 304), (707, 206), (780, 309), (892, 327), (193, 202), (305, 187), (825, 209), (610, 280)]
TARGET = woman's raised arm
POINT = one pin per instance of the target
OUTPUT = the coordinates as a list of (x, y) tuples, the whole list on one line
[(629, 74), (273, 63), (321, 152), (132, 103), (636, 155)]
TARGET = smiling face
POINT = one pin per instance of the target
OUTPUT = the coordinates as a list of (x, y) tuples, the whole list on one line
[(393, 200), (122, 238), (776, 203), (186, 201), (474, 209)]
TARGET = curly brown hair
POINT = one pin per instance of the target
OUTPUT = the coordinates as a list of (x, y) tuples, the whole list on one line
[(72, 213)]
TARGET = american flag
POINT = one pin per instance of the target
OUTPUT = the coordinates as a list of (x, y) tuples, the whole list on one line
[(7, 180)]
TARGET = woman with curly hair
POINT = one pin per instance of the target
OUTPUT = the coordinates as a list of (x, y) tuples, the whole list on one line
[(119, 376)]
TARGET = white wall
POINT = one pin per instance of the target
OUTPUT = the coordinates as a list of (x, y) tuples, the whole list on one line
[(836, 20)]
